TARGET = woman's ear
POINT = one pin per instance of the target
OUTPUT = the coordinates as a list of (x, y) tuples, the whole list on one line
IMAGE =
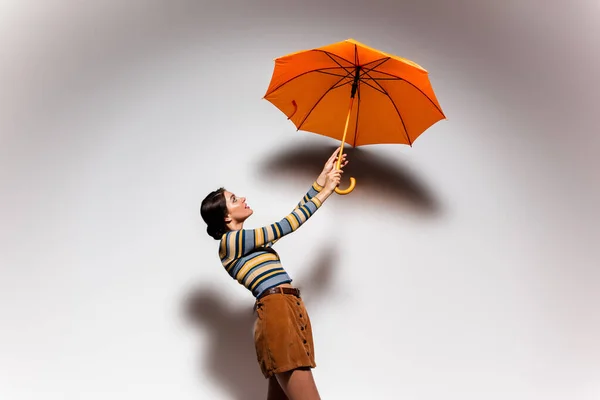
[(227, 219)]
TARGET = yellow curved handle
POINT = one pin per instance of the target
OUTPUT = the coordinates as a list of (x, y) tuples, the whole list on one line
[(350, 188)]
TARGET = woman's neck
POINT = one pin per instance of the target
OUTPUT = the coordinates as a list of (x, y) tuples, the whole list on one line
[(235, 226)]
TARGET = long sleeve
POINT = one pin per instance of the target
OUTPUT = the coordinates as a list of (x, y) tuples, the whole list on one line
[(236, 244), (312, 192)]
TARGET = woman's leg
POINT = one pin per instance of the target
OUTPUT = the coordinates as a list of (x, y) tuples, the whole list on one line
[(275, 392), (299, 384)]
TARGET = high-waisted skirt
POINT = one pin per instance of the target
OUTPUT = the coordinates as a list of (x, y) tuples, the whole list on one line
[(282, 332)]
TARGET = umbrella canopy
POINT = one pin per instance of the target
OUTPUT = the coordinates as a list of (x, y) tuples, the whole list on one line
[(381, 97)]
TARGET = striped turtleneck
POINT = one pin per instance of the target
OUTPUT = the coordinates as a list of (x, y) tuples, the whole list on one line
[(247, 254)]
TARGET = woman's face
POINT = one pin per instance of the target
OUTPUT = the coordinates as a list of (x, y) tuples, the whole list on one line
[(237, 209)]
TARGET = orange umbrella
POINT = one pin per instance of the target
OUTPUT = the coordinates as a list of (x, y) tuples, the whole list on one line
[(383, 98)]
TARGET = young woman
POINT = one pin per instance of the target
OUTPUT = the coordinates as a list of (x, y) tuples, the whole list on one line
[(282, 331)]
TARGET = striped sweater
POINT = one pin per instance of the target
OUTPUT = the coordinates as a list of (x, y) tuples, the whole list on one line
[(247, 255)]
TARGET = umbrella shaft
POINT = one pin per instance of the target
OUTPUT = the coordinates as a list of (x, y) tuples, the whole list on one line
[(339, 161), (352, 94)]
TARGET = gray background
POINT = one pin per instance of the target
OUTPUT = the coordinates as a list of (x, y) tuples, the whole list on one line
[(465, 267)]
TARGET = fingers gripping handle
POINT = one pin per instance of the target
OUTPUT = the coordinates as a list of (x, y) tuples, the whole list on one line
[(352, 180), (350, 188)]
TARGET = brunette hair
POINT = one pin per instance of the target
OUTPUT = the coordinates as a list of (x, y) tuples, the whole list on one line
[(213, 211)]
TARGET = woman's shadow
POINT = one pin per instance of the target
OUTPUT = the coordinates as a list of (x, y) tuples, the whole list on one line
[(229, 357)]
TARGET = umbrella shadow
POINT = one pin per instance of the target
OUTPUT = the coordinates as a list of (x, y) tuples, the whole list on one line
[(380, 181), (229, 357)]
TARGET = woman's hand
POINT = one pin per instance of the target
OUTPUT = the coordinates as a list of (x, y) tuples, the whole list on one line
[(333, 178), (330, 165)]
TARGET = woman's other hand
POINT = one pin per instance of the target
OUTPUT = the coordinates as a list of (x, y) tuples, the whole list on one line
[(330, 166)]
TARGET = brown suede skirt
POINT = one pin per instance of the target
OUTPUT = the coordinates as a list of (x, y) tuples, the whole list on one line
[(282, 334)]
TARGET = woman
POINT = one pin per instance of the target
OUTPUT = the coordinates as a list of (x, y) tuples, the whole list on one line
[(284, 345)]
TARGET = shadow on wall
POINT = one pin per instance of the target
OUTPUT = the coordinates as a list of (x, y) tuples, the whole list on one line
[(229, 357), (379, 182)]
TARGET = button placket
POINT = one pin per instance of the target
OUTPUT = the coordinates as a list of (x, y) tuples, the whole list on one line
[(303, 328)]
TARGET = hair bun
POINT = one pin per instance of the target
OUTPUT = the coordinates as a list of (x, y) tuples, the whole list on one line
[(213, 210), (214, 232)]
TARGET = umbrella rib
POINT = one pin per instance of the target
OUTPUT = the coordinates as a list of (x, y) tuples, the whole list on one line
[(374, 80), (336, 86), (374, 61), (411, 84), (299, 75), (401, 119), (396, 108), (380, 89), (318, 101), (330, 55), (367, 70), (383, 60), (382, 79), (330, 73)]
